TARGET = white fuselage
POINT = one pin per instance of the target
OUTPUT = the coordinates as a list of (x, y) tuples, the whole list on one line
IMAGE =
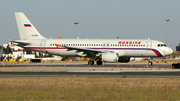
[(109, 50), (124, 47)]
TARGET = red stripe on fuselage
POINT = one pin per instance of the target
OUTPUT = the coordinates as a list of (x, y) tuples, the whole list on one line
[(158, 54)]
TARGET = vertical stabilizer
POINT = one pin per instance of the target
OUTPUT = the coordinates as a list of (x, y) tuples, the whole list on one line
[(26, 28)]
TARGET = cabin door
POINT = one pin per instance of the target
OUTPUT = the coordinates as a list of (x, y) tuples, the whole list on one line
[(149, 45), (42, 45)]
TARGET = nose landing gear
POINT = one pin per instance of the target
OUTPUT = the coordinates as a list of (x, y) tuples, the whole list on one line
[(150, 62)]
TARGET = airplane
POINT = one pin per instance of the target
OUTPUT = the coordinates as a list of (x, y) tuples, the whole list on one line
[(99, 50)]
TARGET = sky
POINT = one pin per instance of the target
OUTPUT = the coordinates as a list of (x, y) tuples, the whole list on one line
[(98, 19)]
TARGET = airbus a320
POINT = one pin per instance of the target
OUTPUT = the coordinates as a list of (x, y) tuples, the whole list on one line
[(99, 50)]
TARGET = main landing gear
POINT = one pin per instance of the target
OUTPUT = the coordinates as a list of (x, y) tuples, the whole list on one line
[(99, 62), (91, 62)]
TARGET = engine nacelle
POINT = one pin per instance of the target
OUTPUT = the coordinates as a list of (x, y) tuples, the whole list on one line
[(124, 59), (110, 57), (80, 54)]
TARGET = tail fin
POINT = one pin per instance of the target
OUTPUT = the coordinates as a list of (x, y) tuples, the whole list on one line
[(26, 28)]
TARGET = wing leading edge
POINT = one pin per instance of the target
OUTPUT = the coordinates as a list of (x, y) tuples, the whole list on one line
[(86, 50)]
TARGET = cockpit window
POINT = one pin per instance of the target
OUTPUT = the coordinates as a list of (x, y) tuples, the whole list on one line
[(162, 45)]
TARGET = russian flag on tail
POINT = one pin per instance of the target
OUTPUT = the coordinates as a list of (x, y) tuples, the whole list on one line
[(27, 25)]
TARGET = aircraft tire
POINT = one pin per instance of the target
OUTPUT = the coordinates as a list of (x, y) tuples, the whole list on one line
[(90, 62), (150, 63), (99, 62)]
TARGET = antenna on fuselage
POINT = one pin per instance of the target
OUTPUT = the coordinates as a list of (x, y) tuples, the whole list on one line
[(149, 38)]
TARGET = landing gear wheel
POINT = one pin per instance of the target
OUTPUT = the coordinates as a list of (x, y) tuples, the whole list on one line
[(99, 62), (90, 62), (150, 63)]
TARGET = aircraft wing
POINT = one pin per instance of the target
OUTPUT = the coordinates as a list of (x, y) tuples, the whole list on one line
[(20, 43), (86, 50)]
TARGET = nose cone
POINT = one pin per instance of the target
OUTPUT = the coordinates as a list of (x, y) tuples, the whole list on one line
[(169, 51)]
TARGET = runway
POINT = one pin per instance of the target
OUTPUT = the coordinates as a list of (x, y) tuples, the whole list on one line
[(84, 65), (82, 74), (73, 69)]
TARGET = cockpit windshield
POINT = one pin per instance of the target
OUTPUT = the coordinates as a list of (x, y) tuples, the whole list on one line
[(162, 45)]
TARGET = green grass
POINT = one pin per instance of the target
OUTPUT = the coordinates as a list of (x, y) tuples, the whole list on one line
[(89, 88), (81, 94)]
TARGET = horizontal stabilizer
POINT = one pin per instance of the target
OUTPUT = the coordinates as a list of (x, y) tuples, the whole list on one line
[(19, 43)]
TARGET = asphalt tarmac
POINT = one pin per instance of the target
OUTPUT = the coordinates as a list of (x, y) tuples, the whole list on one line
[(78, 69), (85, 65)]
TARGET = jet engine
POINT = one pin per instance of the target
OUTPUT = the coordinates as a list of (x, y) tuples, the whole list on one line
[(110, 57)]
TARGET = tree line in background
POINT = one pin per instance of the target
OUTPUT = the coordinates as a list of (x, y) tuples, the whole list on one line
[(6, 50)]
